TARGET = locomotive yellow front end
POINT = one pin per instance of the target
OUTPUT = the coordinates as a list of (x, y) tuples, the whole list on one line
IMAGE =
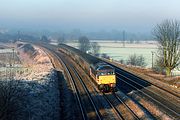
[(105, 77), (109, 80)]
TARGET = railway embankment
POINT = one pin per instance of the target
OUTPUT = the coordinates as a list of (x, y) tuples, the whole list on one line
[(68, 109), (33, 87)]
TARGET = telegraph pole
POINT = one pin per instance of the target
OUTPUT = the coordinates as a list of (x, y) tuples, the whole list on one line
[(13, 63), (152, 59), (19, 36), (123, 38)]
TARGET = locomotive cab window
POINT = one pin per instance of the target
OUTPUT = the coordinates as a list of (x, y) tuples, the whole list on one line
[(106, 73)]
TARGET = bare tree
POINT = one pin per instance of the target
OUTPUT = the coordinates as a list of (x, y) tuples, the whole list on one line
[(168, 36), (44, 38), (95, 48), (61, 39), (84, 44)]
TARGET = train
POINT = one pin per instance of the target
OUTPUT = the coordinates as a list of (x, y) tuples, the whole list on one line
[(102, 74)]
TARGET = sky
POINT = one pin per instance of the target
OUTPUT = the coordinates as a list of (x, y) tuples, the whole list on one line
[(87, 15)]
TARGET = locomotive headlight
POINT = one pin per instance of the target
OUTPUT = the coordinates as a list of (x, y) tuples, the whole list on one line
[(113, 85)]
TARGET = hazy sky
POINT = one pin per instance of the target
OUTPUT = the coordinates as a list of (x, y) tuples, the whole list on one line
[(93, 15)]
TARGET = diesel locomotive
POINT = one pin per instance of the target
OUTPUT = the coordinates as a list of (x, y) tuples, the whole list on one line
[(102, 74)]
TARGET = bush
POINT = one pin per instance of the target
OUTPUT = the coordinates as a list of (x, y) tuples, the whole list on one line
[(104, 55), (84, 44), (158, 66), (136, 60), (95, 48), (11, 100), (122, 61)]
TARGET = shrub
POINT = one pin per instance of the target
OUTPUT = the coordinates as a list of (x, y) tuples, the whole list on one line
[(136, 60), (158, 66), (104, 55), (11, 100), (122, 61)]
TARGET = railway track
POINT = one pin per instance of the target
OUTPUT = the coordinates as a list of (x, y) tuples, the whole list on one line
[(127, 107), (87, 107), (116, 111), (144, 82), (70, 70), (123, 111), (83, 115), (75, 89), (127, 112), (151, 91), (117, 105), (167, 106), (113, 107), (135, 83), (71, 74), (89, 96)]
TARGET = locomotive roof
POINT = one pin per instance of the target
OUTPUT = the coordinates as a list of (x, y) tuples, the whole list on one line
[(104, 67)]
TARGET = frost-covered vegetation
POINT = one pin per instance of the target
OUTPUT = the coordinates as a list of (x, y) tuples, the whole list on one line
[(136, 60), (33, 93)]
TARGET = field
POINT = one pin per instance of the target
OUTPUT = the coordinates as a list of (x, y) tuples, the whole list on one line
[(117, 52), (9, 62)]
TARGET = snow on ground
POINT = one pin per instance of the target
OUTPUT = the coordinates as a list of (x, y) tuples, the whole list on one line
[(39, 79)]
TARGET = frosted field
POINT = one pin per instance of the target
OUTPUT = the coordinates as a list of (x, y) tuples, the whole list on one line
[(117, 52), (6, 51)]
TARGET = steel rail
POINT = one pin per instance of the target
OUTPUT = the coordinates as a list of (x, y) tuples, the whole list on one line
[(74, 87), (150, 97), (147, 82), (129, 109), (89, 95)]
